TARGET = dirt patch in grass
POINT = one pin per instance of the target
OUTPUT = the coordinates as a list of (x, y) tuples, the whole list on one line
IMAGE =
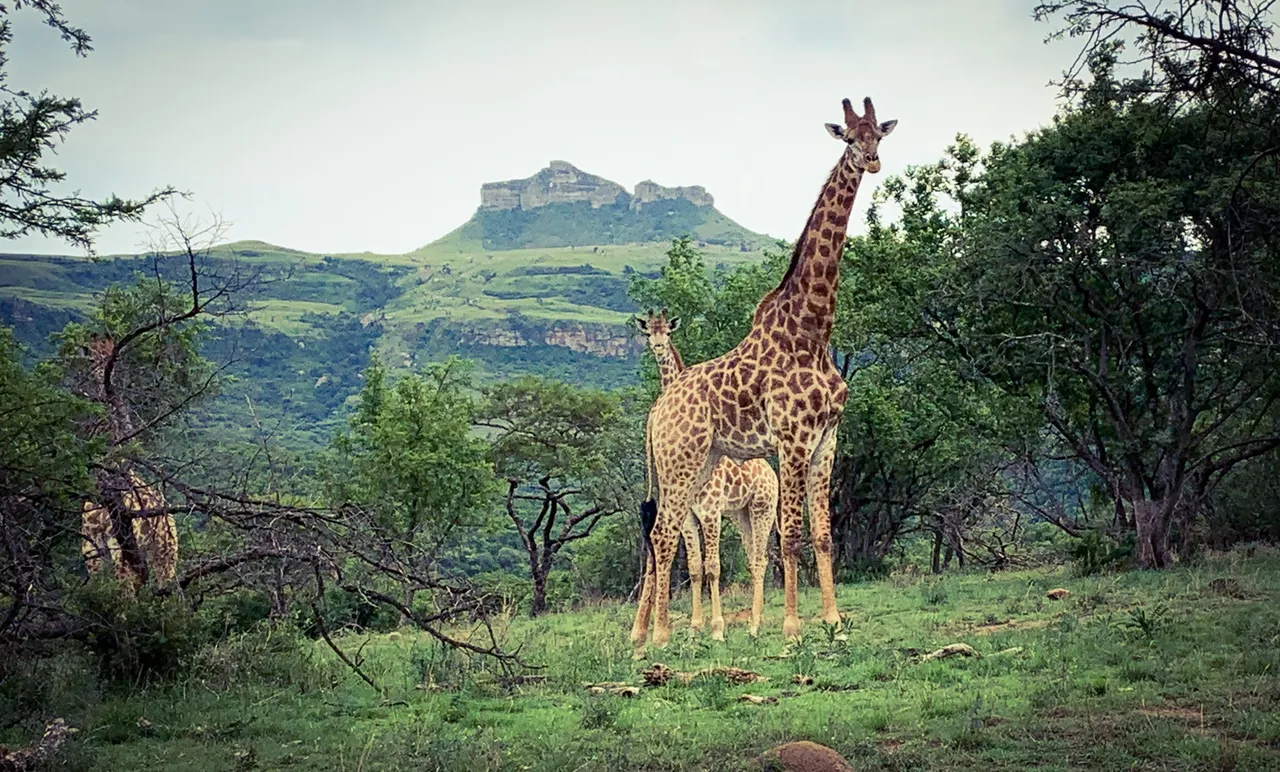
[(984, 628), (1173, 712)]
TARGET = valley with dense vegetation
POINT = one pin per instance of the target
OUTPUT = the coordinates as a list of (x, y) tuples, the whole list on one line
[(271, 509)]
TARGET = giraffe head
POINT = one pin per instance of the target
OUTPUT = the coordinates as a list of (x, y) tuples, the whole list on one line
[(862, 134), (658, 328), (99, 348)]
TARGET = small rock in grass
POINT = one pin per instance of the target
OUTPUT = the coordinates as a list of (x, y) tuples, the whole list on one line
[(951, 650), (803, 756), (1059, 593)]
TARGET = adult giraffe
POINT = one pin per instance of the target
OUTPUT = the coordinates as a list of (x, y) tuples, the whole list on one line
[(777, 391), (130, 528), (746, 492)]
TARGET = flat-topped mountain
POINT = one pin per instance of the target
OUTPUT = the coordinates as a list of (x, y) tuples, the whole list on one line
[(563, 206)]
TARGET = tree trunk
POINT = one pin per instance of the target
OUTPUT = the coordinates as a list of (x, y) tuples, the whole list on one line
[(1151, 527), (935, 564), (539, 605)]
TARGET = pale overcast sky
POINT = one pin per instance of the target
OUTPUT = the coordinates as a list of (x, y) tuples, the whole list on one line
[(337, 126)]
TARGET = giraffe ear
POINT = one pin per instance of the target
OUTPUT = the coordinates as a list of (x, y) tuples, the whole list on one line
[(640, 324), (674, 324), (835, 130), (886, 128)]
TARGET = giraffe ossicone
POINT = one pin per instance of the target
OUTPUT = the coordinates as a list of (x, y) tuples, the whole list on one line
[(777, 391)]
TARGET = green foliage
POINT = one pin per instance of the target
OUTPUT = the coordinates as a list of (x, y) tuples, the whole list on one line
[(579, 223), (408, 456), (600, 711), (137, 639), (159, 373), (1095, 552), (276, 657), (549, 428), (715, 306)]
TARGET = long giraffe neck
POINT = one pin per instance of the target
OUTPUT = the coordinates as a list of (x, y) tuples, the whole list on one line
[(805, 299), (670, 364)]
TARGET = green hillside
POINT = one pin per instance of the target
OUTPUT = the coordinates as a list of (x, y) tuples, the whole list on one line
[(557, 309)]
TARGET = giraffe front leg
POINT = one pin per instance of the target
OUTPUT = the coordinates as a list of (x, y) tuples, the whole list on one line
[(819, 487), (793, 462), (693, 559), (664, 552)]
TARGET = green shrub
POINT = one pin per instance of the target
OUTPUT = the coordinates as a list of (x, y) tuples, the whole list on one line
[(1096, 552), (137, 639), (264, 656)]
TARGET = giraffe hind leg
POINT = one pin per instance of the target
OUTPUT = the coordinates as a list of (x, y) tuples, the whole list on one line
[(694, 562), (819, 486)]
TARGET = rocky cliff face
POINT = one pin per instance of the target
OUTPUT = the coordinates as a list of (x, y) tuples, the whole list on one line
[(649, 192), (563, 183), (600, 340)]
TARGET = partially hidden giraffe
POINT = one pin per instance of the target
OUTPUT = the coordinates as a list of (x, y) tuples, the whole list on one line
[(132, 529), (777, 391), (154, 531), (746, 492)]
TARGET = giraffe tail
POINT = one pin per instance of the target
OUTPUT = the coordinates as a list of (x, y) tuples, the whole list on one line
[(648, 507), (648, 516)]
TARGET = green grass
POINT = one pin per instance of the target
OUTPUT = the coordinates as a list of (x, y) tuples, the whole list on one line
[(286, 315), (1074, 684), (74, 301)]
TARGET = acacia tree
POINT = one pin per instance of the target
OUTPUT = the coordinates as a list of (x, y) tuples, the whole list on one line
[(408, 460), (568, 460), (32, 125), (1096, 269)]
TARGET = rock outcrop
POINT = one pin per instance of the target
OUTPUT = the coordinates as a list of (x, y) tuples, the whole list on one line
[(563, 183), (560, 183), (648, 192), (599, 340)]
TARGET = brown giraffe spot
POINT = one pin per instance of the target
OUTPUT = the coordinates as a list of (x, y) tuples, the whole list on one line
[(841, 220), (815, 400), (819, 216), (826, 233), (830, 192), (717, 380), (833, 270), (744, 399), (806, 378), (810, 248), (824, 250), (791, 327)]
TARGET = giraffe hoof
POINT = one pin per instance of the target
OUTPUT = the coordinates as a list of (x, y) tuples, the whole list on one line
[(791, 627), (754, 631), (638, 654), (832, 618), (717, 630)]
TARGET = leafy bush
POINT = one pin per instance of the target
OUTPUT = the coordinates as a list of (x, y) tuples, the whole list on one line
[(1096, 552), (137, 639), (274, 657)]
